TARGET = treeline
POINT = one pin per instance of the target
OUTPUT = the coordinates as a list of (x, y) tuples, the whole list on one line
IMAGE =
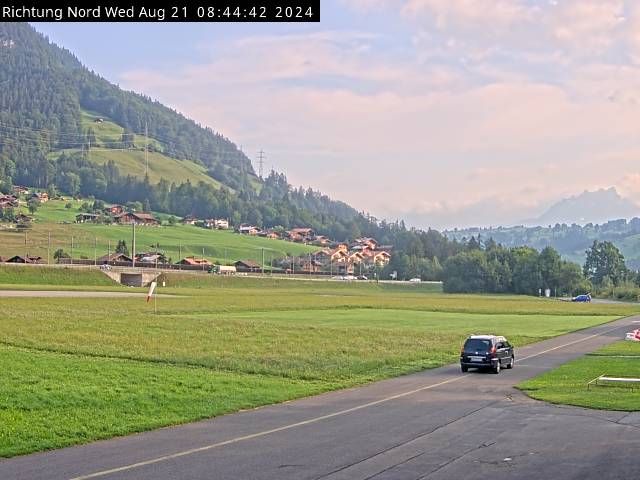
[(493, 268), (567, 239)]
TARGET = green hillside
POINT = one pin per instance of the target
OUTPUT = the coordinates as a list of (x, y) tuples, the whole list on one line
[(53, 221)]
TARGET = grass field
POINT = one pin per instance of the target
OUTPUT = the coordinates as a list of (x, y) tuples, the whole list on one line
[(176, 241), (71, 366), (568, 383)]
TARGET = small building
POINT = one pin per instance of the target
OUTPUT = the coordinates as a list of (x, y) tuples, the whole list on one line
[(247, 266), (99, 120), (18, 190), (269, 234), (221, 223), (41, 197), (310, 266), (129, 218), (195, 261), (87, 218), (114, 257), (27, 259), (248, 230), (114, 210), (189, 220)]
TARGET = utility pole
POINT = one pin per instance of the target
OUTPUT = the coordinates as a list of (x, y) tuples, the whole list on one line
[(48, 248), (26, 247), (203, 259), (95, 251), (72, 250), (146, 148), (261, 158), (133, 245), (263, 262)]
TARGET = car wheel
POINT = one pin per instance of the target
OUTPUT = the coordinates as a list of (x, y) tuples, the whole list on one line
[(513, 360), (496, 369), (464, 369)]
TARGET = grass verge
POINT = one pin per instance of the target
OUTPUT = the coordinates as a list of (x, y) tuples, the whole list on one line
[(567, 384)]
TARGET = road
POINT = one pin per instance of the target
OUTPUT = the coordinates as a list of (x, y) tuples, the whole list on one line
[(437, 424)]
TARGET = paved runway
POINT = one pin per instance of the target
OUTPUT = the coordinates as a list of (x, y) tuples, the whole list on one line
[(437, 424)]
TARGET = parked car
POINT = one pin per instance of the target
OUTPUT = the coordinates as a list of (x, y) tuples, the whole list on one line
[(362, 277), (415, 280), (582, 298), (486, 351)]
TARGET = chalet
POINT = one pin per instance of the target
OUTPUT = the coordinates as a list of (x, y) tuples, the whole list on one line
[(27, 259), (367, 242), (217, 224), (221, 224), (355, 257), (248, 230), (150, 258), (269, 234), (8, 201), (3, 259), (321, 241), (195, 261), (295, 237), (189, 220), (310, 266), (114, 257), (342, 246), (87, 218), (328, 255), (23, 219), (129, 218), (41, 197), (114, 210), (18, 190), (305, 232), (379, 258), (247, 265)]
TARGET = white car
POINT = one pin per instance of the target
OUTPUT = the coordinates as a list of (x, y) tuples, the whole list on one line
[(415, 280)]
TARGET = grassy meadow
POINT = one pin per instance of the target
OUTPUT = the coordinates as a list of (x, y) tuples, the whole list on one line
[(77, 370), (568, 383), (177, 241)]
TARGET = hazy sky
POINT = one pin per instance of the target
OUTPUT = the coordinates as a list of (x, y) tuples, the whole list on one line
[(443, 112)]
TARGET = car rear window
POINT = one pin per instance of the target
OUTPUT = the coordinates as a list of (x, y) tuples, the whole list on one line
[(477, 345)]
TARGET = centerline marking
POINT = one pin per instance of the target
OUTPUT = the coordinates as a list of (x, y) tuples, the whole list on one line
[(315, 419)]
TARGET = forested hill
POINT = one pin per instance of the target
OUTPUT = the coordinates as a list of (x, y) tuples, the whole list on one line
[(44, 89)]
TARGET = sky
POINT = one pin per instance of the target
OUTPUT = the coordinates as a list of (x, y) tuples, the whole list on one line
[(447, 113)]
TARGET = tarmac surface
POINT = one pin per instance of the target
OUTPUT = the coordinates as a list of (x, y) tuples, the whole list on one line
[(437, 424)]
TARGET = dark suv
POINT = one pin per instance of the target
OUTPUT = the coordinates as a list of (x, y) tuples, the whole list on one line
[(486, 351)]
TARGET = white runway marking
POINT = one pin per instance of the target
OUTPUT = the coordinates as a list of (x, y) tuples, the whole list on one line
[(314, 420)]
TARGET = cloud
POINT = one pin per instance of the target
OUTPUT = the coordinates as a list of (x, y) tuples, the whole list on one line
[(445, 128)]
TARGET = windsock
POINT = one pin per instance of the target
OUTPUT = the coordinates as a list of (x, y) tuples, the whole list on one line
[(152, 287)]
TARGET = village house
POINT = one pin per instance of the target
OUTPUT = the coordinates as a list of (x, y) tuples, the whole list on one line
[(247, 266), (189, 220), (195, 262), (27, 259), (23, 219), (114, 210), (114, 257), (217, 224), (367, 242), (8, 201), (87, 218), (269, 234), (41, 197), (310, 266), (321, 241), (245, 229), (18, 190), (379, 258), (129, 218)]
